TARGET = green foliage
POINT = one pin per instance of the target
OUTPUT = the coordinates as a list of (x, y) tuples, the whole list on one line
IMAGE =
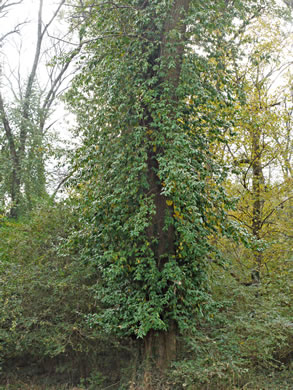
[(95, 381), (44, 295), (37, 147), (249, 335), (140, 124)]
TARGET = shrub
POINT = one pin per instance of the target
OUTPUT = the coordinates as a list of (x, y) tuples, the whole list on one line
[(248, 339), (44, 296)]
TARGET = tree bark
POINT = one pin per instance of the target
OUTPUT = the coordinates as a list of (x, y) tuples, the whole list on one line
[(159, 346), (15, 182), (257, 183)]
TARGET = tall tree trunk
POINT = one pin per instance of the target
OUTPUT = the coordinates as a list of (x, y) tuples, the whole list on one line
[(15, 181), (159, 350), (257, 183), (160, 347)]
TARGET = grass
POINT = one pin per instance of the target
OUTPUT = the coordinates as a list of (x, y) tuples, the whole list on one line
[(261, 382), (32, 386)]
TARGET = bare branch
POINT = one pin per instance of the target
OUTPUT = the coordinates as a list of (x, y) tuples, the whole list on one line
[(16, 30), (106, 35), (240, 220), (9, 81), (103, 4), (40, 36), (53, 17), (64, 40), (63, 181), (274, 210), (6, 4), (58, 80)]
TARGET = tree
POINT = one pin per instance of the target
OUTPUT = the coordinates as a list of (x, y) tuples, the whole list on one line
[(147, 182), (260, 149), (24, 127)]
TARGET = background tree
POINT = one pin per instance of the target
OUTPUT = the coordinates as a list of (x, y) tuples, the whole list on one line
[(260, 149), (25, 137)]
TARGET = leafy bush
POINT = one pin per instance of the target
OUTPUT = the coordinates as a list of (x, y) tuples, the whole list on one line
[(44, 296), (250, 336)]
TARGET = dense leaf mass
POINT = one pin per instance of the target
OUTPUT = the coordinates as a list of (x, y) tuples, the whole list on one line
[(149, 185)]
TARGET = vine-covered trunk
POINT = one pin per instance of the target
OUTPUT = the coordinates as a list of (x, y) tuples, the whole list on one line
[(15, 192), (160, 346), (15, 180)]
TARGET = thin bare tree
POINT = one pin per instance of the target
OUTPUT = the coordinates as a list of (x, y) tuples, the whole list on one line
[(24, 122)]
